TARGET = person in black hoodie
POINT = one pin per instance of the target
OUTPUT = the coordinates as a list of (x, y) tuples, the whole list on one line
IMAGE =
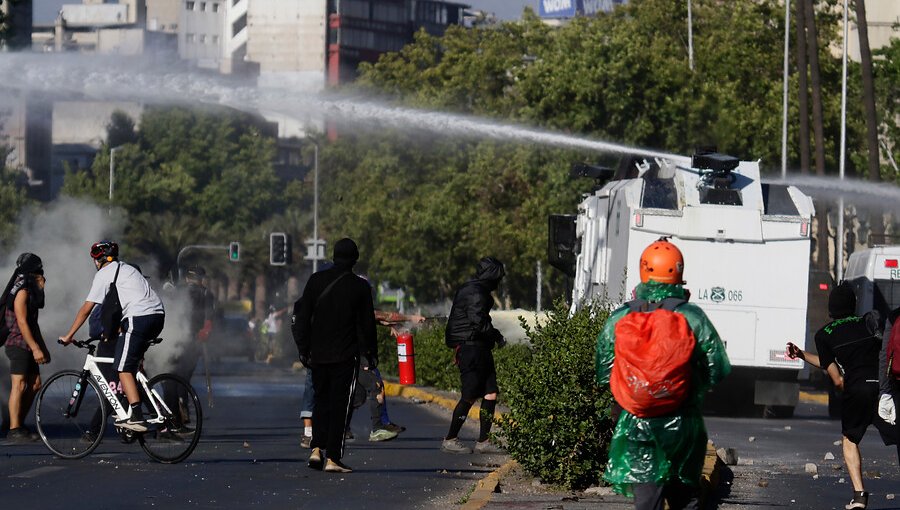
[(470, 331), (333, 325), (848, 349)]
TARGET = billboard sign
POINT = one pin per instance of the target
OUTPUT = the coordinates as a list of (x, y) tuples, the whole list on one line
[(571, 8), (557, 8)]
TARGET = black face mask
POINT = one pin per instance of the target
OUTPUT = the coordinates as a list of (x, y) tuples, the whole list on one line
[(35, 292)]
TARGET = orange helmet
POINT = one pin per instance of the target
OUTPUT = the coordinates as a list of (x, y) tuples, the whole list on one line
[(662, 262)]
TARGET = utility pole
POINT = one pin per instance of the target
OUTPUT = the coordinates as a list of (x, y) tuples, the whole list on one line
[(784, 105), (839, 256)]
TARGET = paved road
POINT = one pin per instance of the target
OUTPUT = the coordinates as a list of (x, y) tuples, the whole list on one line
[(771, 472), (249, 457)]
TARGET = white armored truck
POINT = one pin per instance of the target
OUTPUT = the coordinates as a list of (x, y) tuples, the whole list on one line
[(746, 247)]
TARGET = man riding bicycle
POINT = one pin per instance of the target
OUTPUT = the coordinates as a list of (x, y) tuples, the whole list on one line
[(142, 319)]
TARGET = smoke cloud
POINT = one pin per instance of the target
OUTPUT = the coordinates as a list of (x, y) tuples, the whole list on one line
[(61, 233)]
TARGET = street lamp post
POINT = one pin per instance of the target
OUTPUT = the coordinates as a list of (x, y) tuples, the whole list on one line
[(839, 256), (315, 246), (690, 37), (316, 206), (112, 174), (784, 106)]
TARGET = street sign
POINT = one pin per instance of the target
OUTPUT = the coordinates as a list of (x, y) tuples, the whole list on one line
[(315, 249)]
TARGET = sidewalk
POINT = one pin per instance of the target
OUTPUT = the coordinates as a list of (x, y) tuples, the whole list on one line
[(511, 487)]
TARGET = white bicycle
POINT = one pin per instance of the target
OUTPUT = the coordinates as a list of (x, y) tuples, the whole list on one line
[(72, 409)]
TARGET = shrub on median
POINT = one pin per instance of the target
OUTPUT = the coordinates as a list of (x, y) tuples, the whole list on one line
[(558, 425)]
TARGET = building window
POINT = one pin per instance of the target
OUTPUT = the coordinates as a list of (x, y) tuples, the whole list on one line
[(215, 39), (203, 6), (189, 38), (202, 38), (215, 7), (189, 6)]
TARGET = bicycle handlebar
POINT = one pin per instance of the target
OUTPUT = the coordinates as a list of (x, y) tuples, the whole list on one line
[(86, 344)]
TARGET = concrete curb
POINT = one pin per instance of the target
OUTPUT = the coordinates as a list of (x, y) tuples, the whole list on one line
[(487, 486), (397, 390), (809, 397)]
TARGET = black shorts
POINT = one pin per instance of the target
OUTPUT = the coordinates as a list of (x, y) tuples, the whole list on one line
[(21, 361), (135, 339), (476, 371), (859, 409)]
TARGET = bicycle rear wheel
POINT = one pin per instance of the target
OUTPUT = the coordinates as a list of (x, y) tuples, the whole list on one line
[(70, 415), (171, 437)]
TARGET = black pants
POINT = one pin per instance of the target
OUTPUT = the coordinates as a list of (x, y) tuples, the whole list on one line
[(333, 384), (650, 496), (372, 385)]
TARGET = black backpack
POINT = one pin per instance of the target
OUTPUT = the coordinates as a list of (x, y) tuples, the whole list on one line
[(111, 309)]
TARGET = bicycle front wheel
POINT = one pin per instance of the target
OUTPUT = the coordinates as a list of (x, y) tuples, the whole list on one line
[(70, 415), (173, 433)]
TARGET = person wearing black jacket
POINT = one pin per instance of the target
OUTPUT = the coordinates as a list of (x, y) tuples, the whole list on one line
[(333, 325), (470, 331), (848, 350)]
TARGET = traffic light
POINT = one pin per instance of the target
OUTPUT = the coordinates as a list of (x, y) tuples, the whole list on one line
[(279, 249), (234, 251)]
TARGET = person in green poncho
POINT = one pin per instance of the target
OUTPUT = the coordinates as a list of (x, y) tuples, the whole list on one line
[(660, 458)]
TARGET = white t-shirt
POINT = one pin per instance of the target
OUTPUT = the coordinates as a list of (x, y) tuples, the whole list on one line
[(135, 294)]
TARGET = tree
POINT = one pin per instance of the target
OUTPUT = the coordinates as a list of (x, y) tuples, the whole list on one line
[(620, 77), (12, 36), (802, 85), (205, 175), (14, 200), (120, 129)]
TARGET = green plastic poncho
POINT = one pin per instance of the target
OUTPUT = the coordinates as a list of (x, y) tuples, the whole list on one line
[(670, 447)]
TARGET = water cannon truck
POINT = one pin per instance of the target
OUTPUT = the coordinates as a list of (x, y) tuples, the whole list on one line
[(746, 246)]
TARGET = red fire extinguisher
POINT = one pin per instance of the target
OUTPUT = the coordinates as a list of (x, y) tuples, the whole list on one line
[(406, 358)]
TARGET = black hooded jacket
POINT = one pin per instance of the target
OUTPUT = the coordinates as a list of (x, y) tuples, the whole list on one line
[(339, 325), (470, 319)]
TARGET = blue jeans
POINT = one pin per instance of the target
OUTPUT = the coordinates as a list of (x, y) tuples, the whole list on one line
[(309, 396)]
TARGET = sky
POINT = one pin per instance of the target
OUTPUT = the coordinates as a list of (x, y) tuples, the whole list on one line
[(45, 10)]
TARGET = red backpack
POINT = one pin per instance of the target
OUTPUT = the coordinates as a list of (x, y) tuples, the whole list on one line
[(651, 372), (893, 350)]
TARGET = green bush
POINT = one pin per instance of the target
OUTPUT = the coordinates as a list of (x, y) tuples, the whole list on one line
[(558, 425)]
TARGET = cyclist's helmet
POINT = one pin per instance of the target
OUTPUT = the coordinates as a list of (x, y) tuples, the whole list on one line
[(662, 262), (105, 250)]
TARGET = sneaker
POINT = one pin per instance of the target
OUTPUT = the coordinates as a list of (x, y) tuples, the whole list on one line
[(20, 435), (487, 448), (348, 436), (182, 430), (315, 459), (454, 446), (133, 424), (305, 441), (168, 436), (860, 500), (336, 466), (393, 427), (381, 435)]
